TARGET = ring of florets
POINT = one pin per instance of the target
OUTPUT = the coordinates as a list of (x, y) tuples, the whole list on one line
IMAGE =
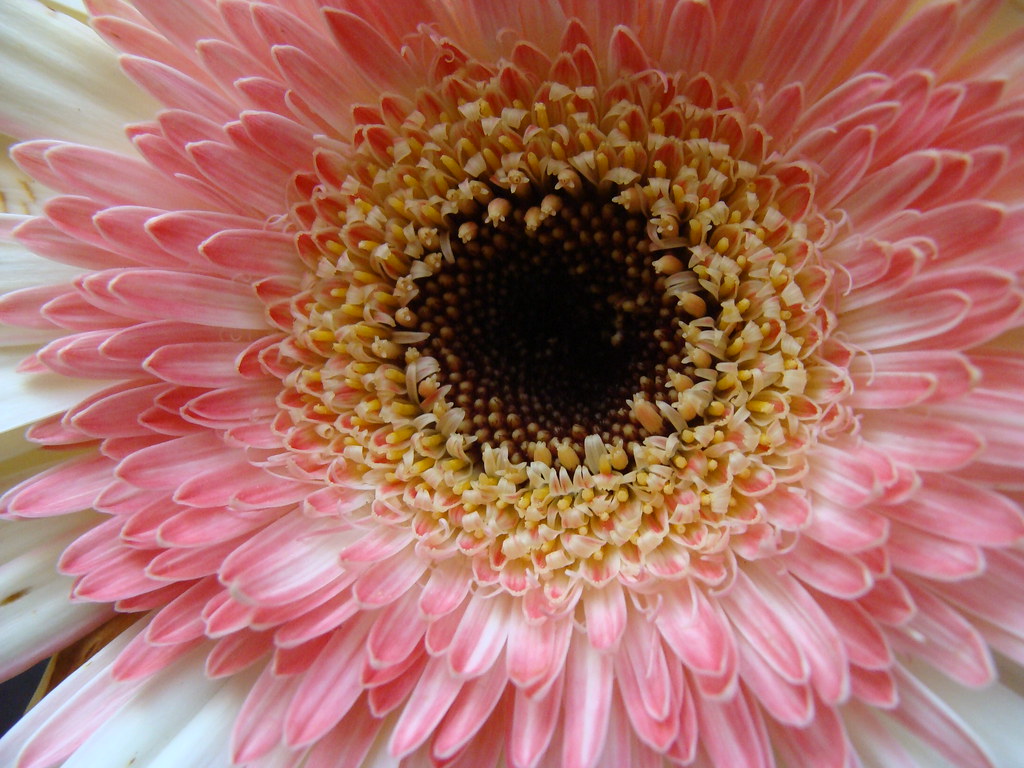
[(377, 398)]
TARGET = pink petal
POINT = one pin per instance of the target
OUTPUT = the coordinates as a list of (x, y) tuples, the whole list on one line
[(469, 712), (533, 723), (156, 294), (430, 699), (480, 636), (287, 560), (732, 732), (66, 488), (330, 687), (939, 635)]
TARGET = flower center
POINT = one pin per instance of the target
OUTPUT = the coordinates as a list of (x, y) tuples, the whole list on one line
[(569, 333), (547, 320)]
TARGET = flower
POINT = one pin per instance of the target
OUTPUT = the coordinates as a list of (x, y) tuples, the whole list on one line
[(542, 383)]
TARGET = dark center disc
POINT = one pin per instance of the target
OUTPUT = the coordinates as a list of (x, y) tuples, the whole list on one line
[(545, 333)]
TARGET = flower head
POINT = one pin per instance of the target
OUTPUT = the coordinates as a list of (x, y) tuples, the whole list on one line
[(550, 383)]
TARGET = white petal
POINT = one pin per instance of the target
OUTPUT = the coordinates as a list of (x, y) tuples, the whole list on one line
[(36, 617), (15, 461), (20, 268), (61, 81), (148, 723), (88, 693), (204, 742), (73, 8), (25, 399)]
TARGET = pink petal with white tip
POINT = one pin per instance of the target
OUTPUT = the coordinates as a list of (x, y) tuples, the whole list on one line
[(995, 594), (536, 651), (754, 617), (785, 701), (808, 622), (445, 589), (831, 572), (396, 633), (348, 743), (588, 678), (823, 740), (163, 295), (846, 530), (210, 364), (926, 554), (170, 463), (923, 442), (605, 610), (257, 728), (695, 629), (960, 511)]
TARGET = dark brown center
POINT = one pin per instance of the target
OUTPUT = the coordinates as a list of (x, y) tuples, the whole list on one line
[(546, 332)]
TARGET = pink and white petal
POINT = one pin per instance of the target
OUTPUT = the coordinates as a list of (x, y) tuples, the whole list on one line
[(810, 625), (68, 487), (990, 712), (435, 691), (926, 554), (941, 636), (348, 743), (605, 611), (846, 530), (921, 441), (822, 742), (469, 712), (995, 595), (480, 636), (960, 511), (161, 294), (257, 728), (396, 633), (536, 651)]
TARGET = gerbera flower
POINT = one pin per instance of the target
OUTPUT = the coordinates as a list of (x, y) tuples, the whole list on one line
[(540, 383)]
